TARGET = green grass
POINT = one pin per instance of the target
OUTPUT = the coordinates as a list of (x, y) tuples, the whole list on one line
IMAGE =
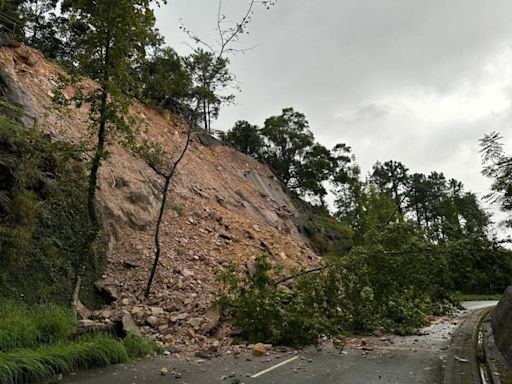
[(24, 327), (32, 365), (139, 347), (37, 343), (473, 297)]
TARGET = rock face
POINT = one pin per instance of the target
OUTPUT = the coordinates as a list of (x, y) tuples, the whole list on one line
[(501, 322), (224, 207)]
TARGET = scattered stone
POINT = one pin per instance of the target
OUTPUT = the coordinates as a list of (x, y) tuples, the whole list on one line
[(224, 235), (105, 285), (164, 371), (258, 349), (157, 311), (195, 322), (152, 320), (125, 301), (137, 310), (131, 264), (204, 354), (129, 325), (187, 273)]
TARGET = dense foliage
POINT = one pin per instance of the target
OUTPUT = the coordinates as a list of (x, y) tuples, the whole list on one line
[(43, 217)]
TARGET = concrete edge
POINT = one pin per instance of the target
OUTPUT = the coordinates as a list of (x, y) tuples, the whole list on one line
[(494, 358), (464, 344)]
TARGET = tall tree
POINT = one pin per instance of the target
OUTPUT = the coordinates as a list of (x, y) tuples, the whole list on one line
[(348, 187), (288, 138), (246, 138), (166, 81), (391, 177), (209, 62), (497, 166), (116, 36), (42, 26), (210, 75)]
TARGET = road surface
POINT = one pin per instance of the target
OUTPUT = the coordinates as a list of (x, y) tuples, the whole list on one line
[(391, 359)]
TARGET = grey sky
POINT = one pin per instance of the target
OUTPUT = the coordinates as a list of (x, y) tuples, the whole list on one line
[(410, 80)]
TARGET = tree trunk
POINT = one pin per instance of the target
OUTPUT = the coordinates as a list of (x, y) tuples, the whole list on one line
[(157, 235), (209, 119), (100, 148), (168, 179), (205, 116)]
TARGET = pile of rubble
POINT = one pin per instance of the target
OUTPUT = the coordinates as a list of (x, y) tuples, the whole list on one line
[(224, 208)]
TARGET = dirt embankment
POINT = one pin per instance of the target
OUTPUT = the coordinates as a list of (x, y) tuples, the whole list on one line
[(225, 207)]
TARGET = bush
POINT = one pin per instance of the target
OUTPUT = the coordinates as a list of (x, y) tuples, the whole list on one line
[(391, 284), (266, 313)]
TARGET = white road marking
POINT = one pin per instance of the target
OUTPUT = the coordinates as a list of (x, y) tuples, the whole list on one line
[(274, 367)]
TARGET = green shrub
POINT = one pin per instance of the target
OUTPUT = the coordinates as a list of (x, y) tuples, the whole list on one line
[(371, 288)]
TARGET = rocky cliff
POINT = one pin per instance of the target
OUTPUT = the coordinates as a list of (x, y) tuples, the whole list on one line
[(225, 207)]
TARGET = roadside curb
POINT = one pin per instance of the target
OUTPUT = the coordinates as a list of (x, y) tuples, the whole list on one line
[(499, 369), (462, 361)]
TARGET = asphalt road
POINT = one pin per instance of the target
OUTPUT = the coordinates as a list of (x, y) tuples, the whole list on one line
[(393, 359)]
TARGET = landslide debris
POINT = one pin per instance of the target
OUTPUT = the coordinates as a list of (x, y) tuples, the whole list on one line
[(225, 207)]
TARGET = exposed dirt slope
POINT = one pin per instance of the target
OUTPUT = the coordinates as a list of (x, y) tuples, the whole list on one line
[(226, 207)]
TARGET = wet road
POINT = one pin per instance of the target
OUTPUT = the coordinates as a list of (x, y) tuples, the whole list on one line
[(390, 359)]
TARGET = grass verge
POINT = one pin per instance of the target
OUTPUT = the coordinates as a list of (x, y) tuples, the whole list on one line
[(34, 365), (473, 297), (37, 343)]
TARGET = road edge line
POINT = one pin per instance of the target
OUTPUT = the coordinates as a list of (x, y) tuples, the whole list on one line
[(274, 367)]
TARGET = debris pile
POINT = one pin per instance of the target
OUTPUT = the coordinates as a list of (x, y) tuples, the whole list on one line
[(224, 208)]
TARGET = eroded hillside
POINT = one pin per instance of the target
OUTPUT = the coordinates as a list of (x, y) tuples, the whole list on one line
[(225, 207)]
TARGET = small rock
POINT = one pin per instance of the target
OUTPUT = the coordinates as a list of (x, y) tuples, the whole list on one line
[(152, 320), (225, 235), (195, 322), (129, 325), (258, 349), (164, 371), (156, 311), (187, 273), (204, 354), (86, 323)]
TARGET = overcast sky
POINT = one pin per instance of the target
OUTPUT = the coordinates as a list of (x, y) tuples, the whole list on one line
[(410, 80)]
